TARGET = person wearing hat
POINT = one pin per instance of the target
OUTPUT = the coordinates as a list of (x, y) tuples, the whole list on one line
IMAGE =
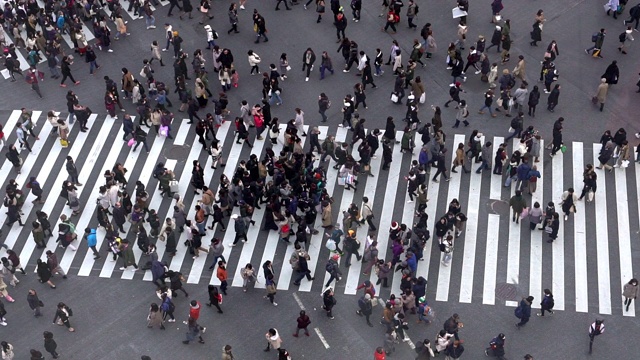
[(523, 311), (333, 268), (226, 353), (176, 40), (366, 308)]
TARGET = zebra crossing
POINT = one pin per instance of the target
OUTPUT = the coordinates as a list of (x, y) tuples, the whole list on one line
[(594, 244)]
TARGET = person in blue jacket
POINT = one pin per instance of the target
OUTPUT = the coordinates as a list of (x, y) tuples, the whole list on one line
[(92, 241), (523, 311)]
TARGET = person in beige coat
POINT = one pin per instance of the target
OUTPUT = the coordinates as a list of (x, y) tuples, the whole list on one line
[(459, 159), (519, 70), (326, 215), (624, 155), (120, 27), (155, 317), (226, 353), (601, 95), (417, 87), (155, 53)]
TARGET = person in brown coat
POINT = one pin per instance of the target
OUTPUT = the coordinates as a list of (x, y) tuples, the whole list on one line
[(601, 95), (127, 83)]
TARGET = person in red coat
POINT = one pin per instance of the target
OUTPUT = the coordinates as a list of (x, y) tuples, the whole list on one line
[(303, 323)]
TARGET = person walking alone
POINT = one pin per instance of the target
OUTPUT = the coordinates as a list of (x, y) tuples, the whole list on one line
[(523, 311), (547, 303), (630, 292), (303, 322), (595, 329), (50, 345)]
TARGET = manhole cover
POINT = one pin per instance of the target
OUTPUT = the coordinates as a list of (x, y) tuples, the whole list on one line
[(506, 292), (498, 207), (177, 152)]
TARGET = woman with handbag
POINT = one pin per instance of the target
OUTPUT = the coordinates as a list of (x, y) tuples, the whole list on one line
[(63, 313), (589, 178), (248, 275), (271, 289), (552, 226)]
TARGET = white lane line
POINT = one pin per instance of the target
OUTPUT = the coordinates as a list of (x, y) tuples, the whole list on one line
[(321, 337), (624, 232), (557, 169), (471, 233), (444, 274), (298, 300), (513, 253), (388, 205), (491, 259), (579, 236), (602, 237), (537, 240), (496, 186)]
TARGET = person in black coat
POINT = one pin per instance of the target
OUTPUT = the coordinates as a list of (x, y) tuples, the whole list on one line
[(534, 99), (386, 154), (441, 166), (50, 344), (496, 38), (536, 34), (552, 100), (303, 270), (611, 73)]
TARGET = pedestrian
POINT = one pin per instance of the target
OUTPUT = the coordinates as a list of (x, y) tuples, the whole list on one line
[(50, 345), (333, 269), (630, 292), (568, 203), (547, 303), (233, 18), (226, 353), (441, 166), (601, 95), (34, 302), (167, 307), (518, 204), (34, 77), (597, 39), (155, 317), (496, 347), (273, 339), (451, 326), (62, 315), (624, 37), (365, 308), (65, 68), (248, 276), (72, 170), (215, 298), (44, 273), (193, 330), (454, 350), (259, 26), (523, 311), (328, 302), (634, 12), (595, 329)]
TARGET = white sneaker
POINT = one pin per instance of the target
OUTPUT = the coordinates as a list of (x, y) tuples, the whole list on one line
[(110, 50), (478, 72), (409, 202), (122, 268), (4, 323), (638, 135), (275, 304), (204, 329), (232, 244), (171, 320), (306, 79), (241, 7), (566, 217)]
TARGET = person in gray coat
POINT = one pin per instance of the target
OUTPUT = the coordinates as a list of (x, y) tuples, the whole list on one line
[(73, 171), (179, 218), (241, 229), (486, 157), (216, 250)]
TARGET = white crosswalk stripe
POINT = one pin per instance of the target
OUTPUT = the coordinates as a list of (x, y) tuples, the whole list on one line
[(491, 250)]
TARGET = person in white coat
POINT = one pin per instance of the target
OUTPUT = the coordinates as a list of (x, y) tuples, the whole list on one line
[(299, 122), (254, 60)]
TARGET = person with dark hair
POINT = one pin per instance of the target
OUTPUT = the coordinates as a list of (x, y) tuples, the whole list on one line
[(595, 329), (50, 345), (523, 311)]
